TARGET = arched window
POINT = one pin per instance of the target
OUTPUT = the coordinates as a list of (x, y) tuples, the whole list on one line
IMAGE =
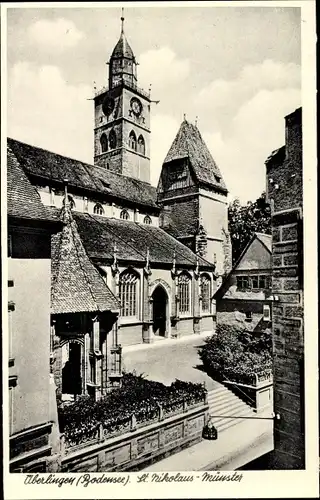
[(132, 140), (147, 220), (128, 293), (184, 289), (104, 143), (141, 145), (205, 290), (112, 139), (71, 202), (98, 209), (124, 214)]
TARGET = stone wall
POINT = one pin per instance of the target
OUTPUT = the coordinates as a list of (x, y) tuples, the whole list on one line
[(139, 448), (285, 195)]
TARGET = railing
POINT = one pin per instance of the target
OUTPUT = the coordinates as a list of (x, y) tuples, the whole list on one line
[(127, 84), (148, 414)]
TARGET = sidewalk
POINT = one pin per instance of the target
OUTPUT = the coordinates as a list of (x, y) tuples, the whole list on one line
[(159, 342), (234, 448)]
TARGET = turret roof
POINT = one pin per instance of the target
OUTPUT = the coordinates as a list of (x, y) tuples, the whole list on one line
[(189, 143)]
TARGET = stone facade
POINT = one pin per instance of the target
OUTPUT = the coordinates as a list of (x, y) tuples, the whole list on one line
[(284, 191)]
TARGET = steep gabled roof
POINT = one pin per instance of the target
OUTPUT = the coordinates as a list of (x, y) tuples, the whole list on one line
[(76, 285), (23, 200), (189, 143), (266, 241), (53, 167)]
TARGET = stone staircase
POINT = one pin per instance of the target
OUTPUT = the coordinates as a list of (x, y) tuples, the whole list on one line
[(225, 407)]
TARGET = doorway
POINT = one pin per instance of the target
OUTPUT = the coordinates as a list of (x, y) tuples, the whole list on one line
[(159, 317), (71, 372)]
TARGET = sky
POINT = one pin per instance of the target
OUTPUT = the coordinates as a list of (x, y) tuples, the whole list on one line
[(236, 70)]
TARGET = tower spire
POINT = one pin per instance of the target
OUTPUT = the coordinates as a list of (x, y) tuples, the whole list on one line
[(122, 20)]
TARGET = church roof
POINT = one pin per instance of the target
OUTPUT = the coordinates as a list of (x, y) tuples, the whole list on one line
[(189, 143), (122, 49), (266, 240), (23, 200), (53, 167), (76, 285), (100, 235)]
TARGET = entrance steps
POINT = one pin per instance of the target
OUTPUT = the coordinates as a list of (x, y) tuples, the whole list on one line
[(225, 408)]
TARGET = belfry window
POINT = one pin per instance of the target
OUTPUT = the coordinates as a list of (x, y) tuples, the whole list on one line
[(124, 214), (141, 145), (205, 288), (104, 143), (112, 139), (98, 209), (128, 293), (184, 289), (147, 220), (132, 141)]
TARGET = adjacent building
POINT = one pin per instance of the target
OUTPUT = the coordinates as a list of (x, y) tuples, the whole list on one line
[(33, 432), (245, 294), (284, 192)]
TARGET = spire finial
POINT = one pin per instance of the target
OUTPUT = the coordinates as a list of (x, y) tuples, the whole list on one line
[(196, 122), (122, 20), (66, 197), (184, 116)]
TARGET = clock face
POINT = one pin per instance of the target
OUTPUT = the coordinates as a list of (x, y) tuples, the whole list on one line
[(108, 106), (136, 106)]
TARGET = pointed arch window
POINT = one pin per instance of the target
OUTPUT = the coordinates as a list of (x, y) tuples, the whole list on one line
[(184, 293), (98, 209), (124, 214), (128, 293), (71, 202), (147, 220), (112, 139), (133, 141), (141, 145), (104, 143), (205, 291)]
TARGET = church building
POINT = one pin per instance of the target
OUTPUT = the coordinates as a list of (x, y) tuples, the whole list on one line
[(159, 251)]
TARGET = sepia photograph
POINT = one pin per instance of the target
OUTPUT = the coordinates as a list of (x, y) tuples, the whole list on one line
[(154, 212)]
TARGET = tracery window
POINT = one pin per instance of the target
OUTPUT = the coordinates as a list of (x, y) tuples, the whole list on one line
[(124, 214), (104, 143), (205, 290), (128, 293), (98, 209), (184, 289), (147, 220), (133, 140)]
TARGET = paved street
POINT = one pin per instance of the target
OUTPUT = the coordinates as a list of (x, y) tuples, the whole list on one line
[(167, 360)]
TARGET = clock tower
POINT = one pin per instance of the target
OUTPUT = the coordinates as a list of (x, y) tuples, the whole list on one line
[(122, 117)]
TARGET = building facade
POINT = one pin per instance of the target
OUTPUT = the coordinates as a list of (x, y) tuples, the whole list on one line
[(284, 192), (33, 424), (245, 294)]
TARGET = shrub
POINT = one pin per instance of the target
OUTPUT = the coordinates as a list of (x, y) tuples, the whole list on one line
[(81, 419), (235, 354)]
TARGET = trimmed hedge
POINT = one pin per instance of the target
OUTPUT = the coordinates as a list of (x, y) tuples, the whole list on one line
[(80, 420), (234, 354)]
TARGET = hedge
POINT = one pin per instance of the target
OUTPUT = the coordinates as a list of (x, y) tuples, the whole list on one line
[(233, 353), (80, 420)]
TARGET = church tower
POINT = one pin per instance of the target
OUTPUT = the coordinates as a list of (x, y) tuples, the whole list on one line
[(193, 198), (122, 117)]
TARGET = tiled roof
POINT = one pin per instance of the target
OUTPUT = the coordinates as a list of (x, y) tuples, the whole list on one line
[(100, 234), (76, 285), (266, 239), (189, 143), (23, 200), (56, 168), (122, 49)]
